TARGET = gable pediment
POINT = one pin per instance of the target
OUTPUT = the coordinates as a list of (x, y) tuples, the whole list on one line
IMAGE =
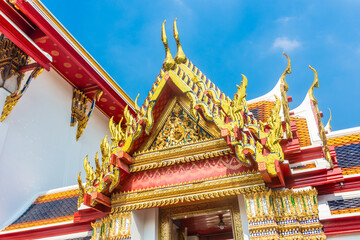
[(176, 127)]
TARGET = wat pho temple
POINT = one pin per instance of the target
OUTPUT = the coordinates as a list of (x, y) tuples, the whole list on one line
[(190, 163)]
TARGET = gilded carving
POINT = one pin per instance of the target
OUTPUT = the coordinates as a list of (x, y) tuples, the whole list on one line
[(229, 185), (320, 125), (12, 58), (79, 108), (114, 226), (179, 129), (14, 98), (284, 213)]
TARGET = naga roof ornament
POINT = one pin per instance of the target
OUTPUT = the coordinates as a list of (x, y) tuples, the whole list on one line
[(284, 87), (320, 125)]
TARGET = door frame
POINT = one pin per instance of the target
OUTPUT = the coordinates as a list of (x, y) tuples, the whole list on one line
[(199, 208)]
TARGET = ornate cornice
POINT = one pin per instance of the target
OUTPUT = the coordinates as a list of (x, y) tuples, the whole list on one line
[(188, 192), (181, 154)]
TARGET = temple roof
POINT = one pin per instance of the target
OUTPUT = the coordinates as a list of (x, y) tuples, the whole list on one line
[(347, 147), (39, 34), (54, 207)]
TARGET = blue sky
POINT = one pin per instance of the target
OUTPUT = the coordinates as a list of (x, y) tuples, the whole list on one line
[(226, 39)]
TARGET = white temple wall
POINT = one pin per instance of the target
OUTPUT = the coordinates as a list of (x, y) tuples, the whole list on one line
[(145, 224), (38, 148)]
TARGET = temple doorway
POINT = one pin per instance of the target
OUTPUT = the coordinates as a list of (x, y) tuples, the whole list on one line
[(210, 220), (215, 225)]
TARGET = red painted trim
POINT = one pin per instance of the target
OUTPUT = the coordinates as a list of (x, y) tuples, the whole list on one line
[(305, 155), (88, 215), (53, 231), (315, 178), (45, 27), (17, 17), (126, 158), (341, 225), (18, 38), (101, 198), (348, 184)]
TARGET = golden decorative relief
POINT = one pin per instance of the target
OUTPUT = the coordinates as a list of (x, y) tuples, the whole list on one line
[(179, 129), (178, 155), (189, 210), (79, 112), (284, 213), (12, 58), (14, 98), (114, 226), (320, 125), (188, 192)]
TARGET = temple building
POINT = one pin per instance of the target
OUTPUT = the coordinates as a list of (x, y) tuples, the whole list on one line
[(190, 163)]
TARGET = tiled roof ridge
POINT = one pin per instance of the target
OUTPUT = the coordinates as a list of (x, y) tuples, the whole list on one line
[(56, 196), (192, 67), (344, 140), (39, 222)]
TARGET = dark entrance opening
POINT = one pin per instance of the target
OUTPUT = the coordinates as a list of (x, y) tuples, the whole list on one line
[(215, 225)]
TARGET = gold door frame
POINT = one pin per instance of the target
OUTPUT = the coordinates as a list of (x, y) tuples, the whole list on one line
[(192, 209)]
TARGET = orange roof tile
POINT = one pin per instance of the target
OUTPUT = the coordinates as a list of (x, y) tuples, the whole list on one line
[(56, 196), (48, 209), (39, 222), (344, 140), (263, 109), (303, 131)]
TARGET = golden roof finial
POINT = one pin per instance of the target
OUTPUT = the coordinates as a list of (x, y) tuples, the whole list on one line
[(315, 84), (328, 123), (287, 71), (180, 55), (284, 87), (169, 61), (137, 108)]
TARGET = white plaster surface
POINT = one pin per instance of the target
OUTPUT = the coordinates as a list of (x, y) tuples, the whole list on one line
[(145, 224), (38, 148)]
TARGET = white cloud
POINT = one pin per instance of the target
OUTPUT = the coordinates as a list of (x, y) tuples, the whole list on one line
[(284, 19), (286, 44)]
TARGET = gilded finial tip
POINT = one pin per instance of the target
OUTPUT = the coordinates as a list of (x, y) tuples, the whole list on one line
[(169, 61), (180, 55)]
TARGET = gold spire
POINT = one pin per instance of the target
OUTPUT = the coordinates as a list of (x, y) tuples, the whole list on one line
[(169, 61), (180, 55), (285, 104), (328, 123), (315, 84), (320, 125)]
